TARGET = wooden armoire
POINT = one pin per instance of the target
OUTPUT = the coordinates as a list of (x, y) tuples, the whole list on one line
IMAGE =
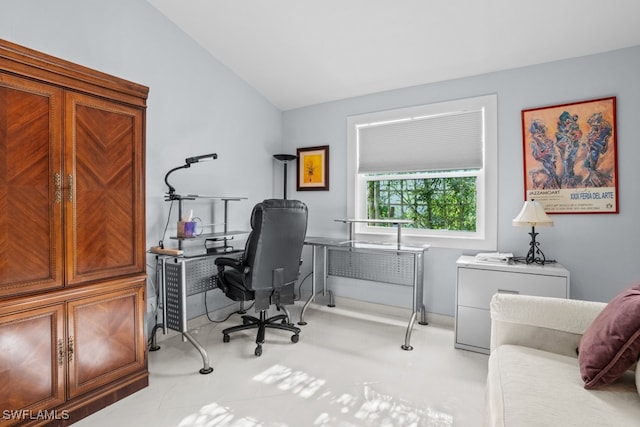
[(72, 239)]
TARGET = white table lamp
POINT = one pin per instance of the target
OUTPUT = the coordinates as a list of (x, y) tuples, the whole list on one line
[(532, 215)]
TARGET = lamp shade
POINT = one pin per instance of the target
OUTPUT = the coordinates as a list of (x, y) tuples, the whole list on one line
[(285, 157), (532, 215)]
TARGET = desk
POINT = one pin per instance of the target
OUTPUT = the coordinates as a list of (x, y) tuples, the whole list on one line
[(181, 278), (388, 263), (192, 272)]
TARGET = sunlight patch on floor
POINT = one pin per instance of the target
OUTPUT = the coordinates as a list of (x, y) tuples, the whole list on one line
[(369, 407)]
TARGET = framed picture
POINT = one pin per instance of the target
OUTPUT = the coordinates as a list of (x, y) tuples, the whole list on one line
[(570, 157), (313, 168)]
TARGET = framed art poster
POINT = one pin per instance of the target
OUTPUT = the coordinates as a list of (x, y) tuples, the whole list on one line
[(570, 156), (313, 168)]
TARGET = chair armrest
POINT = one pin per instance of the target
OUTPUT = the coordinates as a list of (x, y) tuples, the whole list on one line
[(223, 262), (551, 324)]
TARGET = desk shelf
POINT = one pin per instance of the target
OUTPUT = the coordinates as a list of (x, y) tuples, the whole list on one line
[(184, 275), (221, 235)]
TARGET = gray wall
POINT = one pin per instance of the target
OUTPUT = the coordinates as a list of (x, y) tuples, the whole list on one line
[(198, 106), (195, 105), (600, 251)]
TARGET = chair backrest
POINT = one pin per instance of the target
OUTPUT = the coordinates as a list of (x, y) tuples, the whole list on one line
[(274, 248)]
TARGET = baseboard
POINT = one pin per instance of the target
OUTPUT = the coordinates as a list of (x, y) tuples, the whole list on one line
[(344, 306), (389, 311)]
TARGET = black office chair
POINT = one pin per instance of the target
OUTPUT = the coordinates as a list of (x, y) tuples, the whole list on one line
[(269, 267)]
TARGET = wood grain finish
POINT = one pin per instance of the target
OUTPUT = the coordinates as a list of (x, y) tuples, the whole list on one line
[(30, 235), (31, 373), (106, 341), (72, 237), (104, 193)]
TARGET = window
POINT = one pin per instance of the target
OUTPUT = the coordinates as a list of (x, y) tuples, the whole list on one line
[(434, 164)]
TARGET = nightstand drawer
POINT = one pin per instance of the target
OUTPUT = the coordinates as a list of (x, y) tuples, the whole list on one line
[(476, 287), (476, 331), (478, 282)]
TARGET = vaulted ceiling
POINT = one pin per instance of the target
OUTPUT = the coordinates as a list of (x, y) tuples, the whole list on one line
[(304, 52)]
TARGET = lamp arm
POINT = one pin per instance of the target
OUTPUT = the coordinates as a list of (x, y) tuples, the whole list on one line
[(172, 190), (188, 162), (196, 159)]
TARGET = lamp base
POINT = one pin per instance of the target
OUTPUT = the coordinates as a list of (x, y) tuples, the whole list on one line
[(535, 254)]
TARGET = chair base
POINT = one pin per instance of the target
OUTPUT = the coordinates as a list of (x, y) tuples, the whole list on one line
[(275, 322)]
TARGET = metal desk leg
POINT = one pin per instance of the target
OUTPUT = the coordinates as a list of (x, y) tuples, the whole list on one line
[(419, 301), (423, 315), (206, 369), (153, 346), (314, 258), (205, 359), (160, 294), (325, 260), (407, 337), (286, 313), (418, 283), (314, 271)]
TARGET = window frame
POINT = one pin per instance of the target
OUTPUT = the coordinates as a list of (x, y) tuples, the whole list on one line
[(485, 236)]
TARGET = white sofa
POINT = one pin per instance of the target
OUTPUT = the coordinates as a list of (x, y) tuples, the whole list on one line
[(534, 376)]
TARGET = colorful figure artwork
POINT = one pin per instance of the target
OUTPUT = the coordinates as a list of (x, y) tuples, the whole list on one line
[(570, 157)]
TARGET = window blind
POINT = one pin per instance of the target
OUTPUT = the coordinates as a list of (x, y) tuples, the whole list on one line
[(442, 142)]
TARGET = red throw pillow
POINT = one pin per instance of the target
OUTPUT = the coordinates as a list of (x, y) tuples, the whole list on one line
[(611, 344)]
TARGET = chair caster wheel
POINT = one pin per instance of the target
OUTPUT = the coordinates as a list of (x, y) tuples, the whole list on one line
[(226, 338), (258, 351), (295, 338)]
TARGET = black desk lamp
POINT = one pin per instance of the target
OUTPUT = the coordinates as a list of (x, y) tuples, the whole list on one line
[(187, 164), (285, 158)]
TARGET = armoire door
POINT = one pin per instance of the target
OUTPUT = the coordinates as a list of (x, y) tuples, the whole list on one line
[(106, 338), (32, 362), (104, 184), (31, 250)]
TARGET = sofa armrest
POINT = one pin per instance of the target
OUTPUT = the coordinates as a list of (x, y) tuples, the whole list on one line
[(551, 324)]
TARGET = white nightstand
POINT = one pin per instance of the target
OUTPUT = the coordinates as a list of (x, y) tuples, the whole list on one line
[(478, 281)]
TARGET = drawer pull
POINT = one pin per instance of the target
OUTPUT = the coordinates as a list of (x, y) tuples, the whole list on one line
[(60, 351), (57, 182), (70, 188), (507, 291), (70, 350)]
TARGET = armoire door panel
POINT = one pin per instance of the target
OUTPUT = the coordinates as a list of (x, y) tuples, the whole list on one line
[(104, 187), (72, 237), (105, 340), (30, 215), (32, 364)]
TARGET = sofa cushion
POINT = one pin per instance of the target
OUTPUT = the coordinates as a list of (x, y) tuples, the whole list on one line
[(611, 344), (529, 387)]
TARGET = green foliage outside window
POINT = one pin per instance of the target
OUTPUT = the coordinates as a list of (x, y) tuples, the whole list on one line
[(447, 203)]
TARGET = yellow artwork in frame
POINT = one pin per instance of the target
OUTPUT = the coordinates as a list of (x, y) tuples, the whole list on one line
[(313, 168)]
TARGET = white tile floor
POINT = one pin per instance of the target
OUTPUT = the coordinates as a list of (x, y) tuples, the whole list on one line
[(347, 370)]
